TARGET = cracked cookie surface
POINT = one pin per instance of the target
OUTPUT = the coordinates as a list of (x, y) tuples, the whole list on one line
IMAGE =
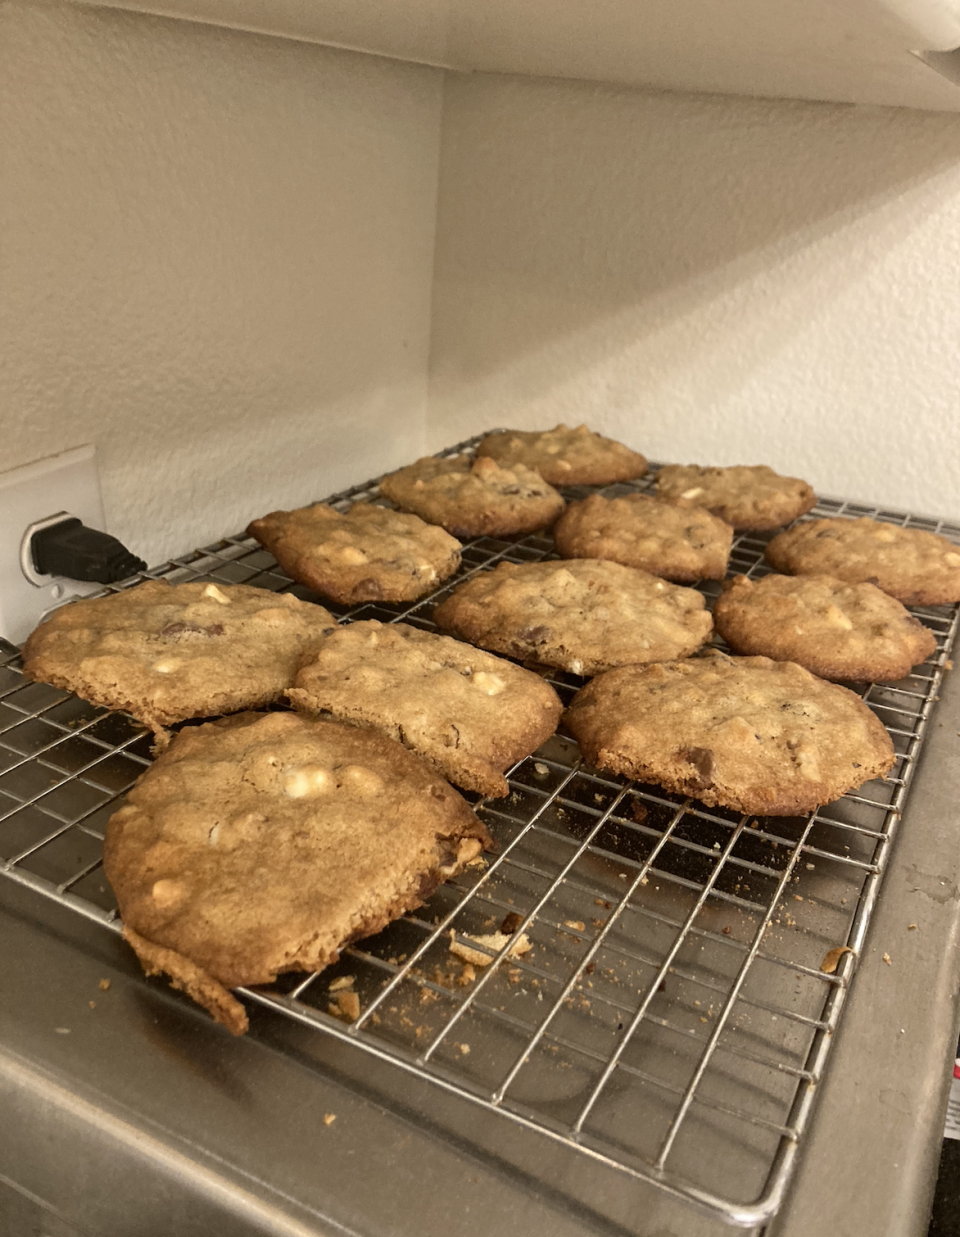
[(583, 615), (833, 629), (751, 498), (668, 539), (914, 566), (265, 843), (564, 456), (474, 497), (745, 733), (467, 713), (368, 554), (168, 652)]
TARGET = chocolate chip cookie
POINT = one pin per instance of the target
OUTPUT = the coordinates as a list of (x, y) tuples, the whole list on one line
[(565, 456), (584, 615), (835, 630), (468, 714), (474, 497), (916, 567), (745, 733), (265, 843), (751, 498), (369, 554), (673, 540), (168, 652)]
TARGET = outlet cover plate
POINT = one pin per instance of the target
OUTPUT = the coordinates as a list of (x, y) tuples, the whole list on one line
[(66, 483)]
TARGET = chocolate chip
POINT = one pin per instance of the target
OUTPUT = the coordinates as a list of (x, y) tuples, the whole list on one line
[(510, 923), (177, 631), (702, 760)]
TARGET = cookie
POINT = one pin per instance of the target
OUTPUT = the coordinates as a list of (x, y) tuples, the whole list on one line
[(835, 630), (265, 843), (672, 540), (916, 567), (474, 497), (746, 733), (167, 652), (468, 714), (369, 554), (565, 456), (751, 498), (583, 615)]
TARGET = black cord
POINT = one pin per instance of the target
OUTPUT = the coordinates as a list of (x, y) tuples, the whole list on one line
[(71, 549)]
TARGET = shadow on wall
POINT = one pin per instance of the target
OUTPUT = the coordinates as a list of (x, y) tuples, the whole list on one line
[(674, 268)]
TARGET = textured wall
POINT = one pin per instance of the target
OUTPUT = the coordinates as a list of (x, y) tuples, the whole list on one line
[(216, 263), (710, 279)]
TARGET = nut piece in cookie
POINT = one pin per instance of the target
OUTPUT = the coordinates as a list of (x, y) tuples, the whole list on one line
[(369, 554), (751, 498), (467, 713), (168, 652), (565, 456), (474, 497), (916, 567), (583, 615), (745, 733), (673, 540), (835, 630), (265, 843)]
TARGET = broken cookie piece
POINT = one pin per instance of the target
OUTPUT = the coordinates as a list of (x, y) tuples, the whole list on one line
[(265, 843), (467, 713)]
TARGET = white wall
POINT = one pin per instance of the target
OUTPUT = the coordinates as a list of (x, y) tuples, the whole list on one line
[(216, 264), (710, 279)]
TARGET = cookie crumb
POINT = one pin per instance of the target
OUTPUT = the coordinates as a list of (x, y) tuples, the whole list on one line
[(104, 985), (911, 926), (832, 958), (341, 982), (886, 958), (576, 924), (465, 1049), (329, 1118), (494, 941), (349, 1005), (92, 1004)]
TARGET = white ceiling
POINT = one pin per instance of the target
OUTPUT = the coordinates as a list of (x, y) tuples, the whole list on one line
[(856, 51)]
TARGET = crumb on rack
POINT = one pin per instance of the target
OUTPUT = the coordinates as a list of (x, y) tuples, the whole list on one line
[(104, 985), (493, 941), (342, 981), (329, 1118)]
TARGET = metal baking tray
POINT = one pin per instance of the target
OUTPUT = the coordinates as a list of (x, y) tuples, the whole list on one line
[(671, 1019)]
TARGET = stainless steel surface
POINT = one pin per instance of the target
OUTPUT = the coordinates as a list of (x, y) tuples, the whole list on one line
[(687, 1058)]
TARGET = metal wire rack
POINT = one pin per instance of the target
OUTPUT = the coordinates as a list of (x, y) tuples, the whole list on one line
[(670, 1018)]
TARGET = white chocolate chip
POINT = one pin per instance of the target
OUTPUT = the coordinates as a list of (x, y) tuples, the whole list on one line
[(350, 554), (214, 594), (308, 780), (362, 780), (697, 489), (167, 893), (489, 684), (576, 666), (166, 665), (836, 618)]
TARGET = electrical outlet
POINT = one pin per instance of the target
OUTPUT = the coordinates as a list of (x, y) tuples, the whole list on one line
[(32, 497)]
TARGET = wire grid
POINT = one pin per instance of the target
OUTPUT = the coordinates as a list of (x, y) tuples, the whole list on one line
[(670, 1018)]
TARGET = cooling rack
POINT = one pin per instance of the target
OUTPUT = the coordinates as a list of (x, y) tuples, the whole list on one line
[(670, 1018)]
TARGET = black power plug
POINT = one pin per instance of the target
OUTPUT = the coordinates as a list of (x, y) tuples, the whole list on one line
[(71, 549)]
